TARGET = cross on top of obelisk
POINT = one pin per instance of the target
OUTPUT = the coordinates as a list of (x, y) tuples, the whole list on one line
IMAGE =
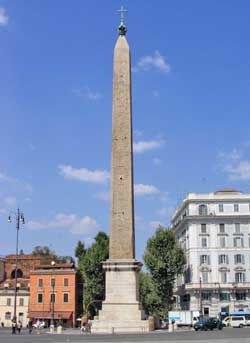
[(122, 29)]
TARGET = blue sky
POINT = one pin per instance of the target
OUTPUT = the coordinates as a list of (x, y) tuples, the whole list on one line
[(191, 85)]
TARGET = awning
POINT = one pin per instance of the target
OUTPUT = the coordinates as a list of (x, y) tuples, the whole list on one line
[(48, 315)]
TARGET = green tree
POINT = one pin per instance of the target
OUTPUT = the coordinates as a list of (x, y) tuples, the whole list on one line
[(149, 297), (80, 250), (43, 251), (165, 260), (90, 265), (50, 255)]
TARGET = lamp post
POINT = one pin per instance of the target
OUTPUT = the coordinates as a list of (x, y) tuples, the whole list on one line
[(234, 287), (52, 301), (19, 220), (201, 312)]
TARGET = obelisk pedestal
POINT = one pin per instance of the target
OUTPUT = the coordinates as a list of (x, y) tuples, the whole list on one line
[(121, 310)]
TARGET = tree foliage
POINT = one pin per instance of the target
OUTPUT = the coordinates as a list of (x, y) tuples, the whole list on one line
[(80, 249), (149, 297), (43, 251), (90, 265), (49, 255), (165, 260)]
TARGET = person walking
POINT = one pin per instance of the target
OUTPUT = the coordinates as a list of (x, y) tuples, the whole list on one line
[(30, 326), (19, 327), (13, 327)]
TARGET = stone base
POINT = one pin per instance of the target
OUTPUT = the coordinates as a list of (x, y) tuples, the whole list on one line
[(121, 310)]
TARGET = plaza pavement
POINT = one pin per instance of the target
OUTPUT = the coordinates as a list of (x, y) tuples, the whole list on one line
[(227, 335)]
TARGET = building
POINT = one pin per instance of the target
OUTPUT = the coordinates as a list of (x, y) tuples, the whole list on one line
[(214, 231), (25, 264), (55, 292), (7, 286), (7, 295)]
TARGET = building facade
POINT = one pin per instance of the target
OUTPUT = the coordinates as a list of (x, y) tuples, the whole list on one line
[(7, 286), (214, 231), (7, 291), (55, 292)]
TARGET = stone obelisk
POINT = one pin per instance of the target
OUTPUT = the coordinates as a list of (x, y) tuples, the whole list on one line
[(121, 310)]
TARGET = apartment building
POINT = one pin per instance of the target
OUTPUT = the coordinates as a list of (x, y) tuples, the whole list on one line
[(214, 231), (55, 294)]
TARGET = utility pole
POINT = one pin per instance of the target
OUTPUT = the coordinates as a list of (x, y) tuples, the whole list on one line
[(19, 220)]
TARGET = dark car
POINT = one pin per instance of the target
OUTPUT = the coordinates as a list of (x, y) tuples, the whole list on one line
[(208, 324)]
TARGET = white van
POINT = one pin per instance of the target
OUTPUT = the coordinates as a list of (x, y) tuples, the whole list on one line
[(237, 321)]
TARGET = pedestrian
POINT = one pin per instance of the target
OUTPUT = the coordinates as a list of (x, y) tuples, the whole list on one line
[(81, 330), (88, 326), (19, 326), (13, 327), (30, 326)]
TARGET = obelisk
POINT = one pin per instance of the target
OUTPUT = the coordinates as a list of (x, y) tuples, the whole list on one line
[(121, 310)]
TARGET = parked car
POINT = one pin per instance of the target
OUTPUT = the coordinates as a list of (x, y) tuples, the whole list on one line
[(40, 325), (237, 321), (208, 324), (164, 324)]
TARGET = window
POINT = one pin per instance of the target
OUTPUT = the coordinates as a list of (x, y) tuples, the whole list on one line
[(204, 259), (52, 298), (223, 259), (222, 228), (8, 315), (21, 302), (204, 277), (203, 210), (204, 242), (236, 207), (240, 296), (65, 297), (206, 295), (52, 282), (237, 227), (222, 242), (203, 228), (40, 298), (20, 316), (238, 242), (221, 208), (223, 277), (239, 259), (240, 277), (206, 311), (66, 282), (224, 296), (8, 302), (40, 283)]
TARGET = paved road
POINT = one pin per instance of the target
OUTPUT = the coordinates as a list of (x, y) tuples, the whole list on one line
[(226, 336)]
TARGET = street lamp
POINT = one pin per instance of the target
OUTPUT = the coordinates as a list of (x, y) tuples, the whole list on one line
[(19, 220), (52, 301), (201, 312), (234, 293)]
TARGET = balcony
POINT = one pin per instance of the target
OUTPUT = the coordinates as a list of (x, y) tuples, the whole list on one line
[(217, 286)]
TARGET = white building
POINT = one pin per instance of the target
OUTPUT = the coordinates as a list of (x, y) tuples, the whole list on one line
[(7, 302), (214, 231)]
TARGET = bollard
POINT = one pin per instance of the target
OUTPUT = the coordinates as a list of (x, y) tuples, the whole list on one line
[(59, 329), (170, 327), (175, 326), (51, 329)]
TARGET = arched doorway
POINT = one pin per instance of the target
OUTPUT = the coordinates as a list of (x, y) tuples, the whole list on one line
[(19, 274)]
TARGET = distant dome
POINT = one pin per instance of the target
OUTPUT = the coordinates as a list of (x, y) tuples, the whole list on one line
[(227, 190)]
